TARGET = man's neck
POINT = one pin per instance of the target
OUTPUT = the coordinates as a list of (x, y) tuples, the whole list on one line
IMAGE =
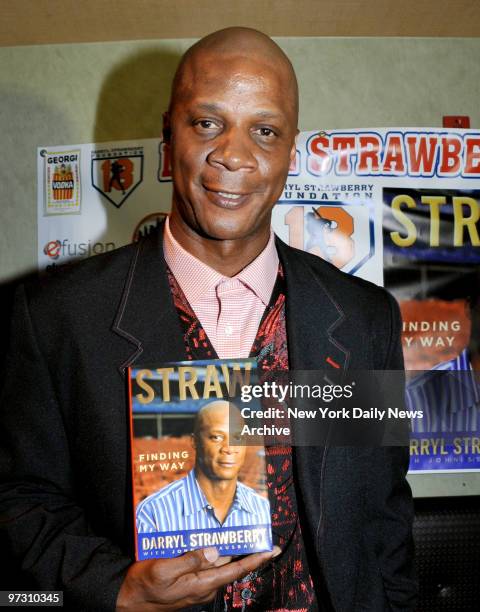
[(219, 493), (228, 257)]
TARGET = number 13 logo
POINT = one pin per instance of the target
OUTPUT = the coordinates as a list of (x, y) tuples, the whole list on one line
[(324, 230)]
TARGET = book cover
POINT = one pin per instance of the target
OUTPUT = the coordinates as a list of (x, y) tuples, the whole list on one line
[(196, 482)]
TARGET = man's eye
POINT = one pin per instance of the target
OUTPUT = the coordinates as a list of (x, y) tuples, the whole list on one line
[(205, 124), (266, 132), (216, 438)]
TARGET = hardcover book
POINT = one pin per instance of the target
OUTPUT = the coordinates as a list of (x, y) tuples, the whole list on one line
[(196, 482)]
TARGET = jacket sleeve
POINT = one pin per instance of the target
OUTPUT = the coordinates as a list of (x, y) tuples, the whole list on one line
[(390, 500), (42, 527)]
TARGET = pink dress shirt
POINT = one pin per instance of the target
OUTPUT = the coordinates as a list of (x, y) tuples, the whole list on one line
[(229, 309)]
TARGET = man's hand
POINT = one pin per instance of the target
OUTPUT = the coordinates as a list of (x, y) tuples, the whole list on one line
[(163, 585)]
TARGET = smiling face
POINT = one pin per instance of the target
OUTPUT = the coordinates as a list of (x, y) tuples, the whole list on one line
[(233, 128), (217, 456)]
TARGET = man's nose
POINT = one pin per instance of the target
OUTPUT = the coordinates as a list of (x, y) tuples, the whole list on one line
[(233, 151), (228, 448)]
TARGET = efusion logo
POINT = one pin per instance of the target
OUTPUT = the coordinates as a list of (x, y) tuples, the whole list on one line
[(64, 248)]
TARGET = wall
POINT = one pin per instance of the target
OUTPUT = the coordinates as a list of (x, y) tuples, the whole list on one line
[(92, 92), (66, 94)]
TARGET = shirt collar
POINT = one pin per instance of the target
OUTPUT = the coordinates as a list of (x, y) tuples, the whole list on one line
[(195, 499), (197, 279), (242, 498)]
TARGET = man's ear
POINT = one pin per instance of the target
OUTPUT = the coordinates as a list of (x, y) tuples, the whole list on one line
[(166, 131), (293, 150)]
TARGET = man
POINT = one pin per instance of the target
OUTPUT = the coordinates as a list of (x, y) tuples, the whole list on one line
[(342, 515), (210, 496)]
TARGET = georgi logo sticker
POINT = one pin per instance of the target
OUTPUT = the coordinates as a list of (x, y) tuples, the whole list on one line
[(116, 173), (62, 182)]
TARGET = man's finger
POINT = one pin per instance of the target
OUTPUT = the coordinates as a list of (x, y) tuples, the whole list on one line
[(216, 577), (209, 597), (194, 561), (222, 561)]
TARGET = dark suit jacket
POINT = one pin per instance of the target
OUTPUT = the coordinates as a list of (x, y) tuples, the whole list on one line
[(65, 494)]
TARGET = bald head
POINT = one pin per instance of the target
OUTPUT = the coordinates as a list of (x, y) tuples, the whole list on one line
[(216, 410), (227, 49), (231, 130)]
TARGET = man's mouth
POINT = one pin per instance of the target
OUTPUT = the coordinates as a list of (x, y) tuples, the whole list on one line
[(226, 199), (230, 196)]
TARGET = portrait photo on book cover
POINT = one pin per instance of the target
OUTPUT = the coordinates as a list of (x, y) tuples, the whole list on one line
[(438, 291), (195, 481)]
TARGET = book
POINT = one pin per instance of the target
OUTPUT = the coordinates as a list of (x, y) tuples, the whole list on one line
[(197, 482)]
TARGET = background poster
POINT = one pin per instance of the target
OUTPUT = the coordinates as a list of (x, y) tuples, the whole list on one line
[(399, 207)]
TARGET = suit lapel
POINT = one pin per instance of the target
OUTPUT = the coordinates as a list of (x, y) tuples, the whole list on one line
[(321, 473), (147, 317), (312, 316)]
